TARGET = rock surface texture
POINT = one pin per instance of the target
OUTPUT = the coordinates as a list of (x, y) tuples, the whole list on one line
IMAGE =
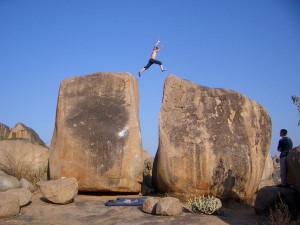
[(293, 161), (97, 135), (267, 176), (211, 141)]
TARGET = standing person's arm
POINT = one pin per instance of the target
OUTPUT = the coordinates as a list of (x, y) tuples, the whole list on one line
[(279, 146)]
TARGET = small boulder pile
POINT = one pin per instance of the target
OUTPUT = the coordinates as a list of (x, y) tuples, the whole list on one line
[(14, 194), (22, 154), (167, 206)]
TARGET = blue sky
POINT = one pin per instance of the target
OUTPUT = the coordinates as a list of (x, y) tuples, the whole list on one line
[(251, 46)]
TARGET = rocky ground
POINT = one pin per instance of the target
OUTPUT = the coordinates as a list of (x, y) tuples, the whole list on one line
[(89, 210)]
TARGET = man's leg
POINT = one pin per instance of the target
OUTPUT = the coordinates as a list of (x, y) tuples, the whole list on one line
[(142, 70), (160, 64), (146, 67), (162, 68), (283, 171)]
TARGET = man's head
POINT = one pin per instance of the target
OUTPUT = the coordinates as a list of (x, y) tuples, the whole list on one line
[(156, 48), (283, 132)]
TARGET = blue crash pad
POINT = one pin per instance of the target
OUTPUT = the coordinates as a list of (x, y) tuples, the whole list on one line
[(126, 202)]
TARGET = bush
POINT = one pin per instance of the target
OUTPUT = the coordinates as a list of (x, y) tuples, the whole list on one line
[(280, 215), (3, 137), (206, 205)]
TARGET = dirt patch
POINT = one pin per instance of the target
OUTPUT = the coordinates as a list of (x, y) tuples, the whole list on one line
[(90, 210)]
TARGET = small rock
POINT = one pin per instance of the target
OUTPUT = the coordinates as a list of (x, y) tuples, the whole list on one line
[(60, 191), (9, 205), (23, 194), (149, 205), (3, 173), (8, 182), (26, 184), (168, 206)]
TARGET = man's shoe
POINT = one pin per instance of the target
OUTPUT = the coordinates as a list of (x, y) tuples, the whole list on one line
[(139, 74), (163, 70)]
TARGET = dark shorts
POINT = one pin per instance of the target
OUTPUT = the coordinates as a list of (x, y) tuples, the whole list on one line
[(152, 61)]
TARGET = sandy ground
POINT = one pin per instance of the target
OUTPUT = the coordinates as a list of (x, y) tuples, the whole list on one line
[(89, 210)]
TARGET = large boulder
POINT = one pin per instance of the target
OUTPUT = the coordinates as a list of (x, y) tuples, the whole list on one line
[(293, 161), (24, 159), (97, 136), (61, 191), (21, 131), (211, 141)]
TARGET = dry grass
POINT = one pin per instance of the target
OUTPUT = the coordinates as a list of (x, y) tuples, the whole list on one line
[(280, 214), (19, 168), (3, 137)]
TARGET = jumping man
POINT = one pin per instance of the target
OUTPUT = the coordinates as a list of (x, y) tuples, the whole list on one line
[(153, 60)]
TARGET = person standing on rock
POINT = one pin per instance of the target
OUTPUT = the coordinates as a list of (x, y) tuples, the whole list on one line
[(152, 60), (285, 144)]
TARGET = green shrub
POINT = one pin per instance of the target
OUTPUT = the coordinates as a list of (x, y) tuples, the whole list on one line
[(206, 205)]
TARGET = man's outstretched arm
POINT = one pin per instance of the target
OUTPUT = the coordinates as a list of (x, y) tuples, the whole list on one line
[(158, 41)]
